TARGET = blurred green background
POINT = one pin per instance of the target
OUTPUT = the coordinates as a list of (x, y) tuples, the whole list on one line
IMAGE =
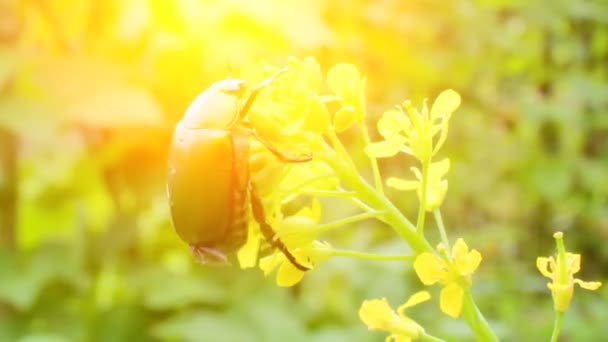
[(90, 91)]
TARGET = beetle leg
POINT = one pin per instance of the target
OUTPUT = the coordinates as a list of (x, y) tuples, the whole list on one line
[(260, 217), (209, 256), (302, 158)]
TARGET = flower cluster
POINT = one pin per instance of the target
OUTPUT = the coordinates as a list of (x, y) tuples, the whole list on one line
[(420, 134), (291, 114), (300, 114)]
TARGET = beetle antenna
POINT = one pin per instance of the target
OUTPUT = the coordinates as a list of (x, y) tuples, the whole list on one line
[(256, 91), (301, 158)]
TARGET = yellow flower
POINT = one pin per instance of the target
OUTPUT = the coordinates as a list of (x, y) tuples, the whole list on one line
[(289, 112), (287, 274), (378, 315), (298, 233), (561, 270), (454, 275), (278, 183), (436, 186), (418, 133)]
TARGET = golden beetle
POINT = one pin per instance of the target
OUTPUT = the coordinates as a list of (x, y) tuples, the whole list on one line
[(209, 185)]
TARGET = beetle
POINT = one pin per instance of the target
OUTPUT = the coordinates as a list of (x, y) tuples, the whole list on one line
[(209, 185)]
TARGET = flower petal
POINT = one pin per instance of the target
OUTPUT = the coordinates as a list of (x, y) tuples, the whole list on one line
[(392, 122), (588, 285), (297, 230), (415, 299), (435, 194), (376, 313), (430, 268), (269, 263), (385, 149), (438, 169), (466, 262), (450, 300), (312, 70), (248, 253), (460, 249), (405, 327), (445, 104), (288, 275), (402, 184), (573, 262), (471, 262), (542, 263)]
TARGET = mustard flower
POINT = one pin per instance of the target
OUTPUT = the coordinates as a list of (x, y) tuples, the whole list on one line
[(418, 133), (378, 315), (561, 269), (297, 232), (454, 274), (289, 110)]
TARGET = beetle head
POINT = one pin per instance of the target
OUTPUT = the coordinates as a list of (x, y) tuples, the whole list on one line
[(217, 106)]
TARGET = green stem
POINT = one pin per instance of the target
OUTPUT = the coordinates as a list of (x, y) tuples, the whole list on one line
[(341, 150), (369, 256), (360, 204), (442, 232), (392, 216), (352, 219), (475, 319), (557, 325), (422, 208), (374, 161)]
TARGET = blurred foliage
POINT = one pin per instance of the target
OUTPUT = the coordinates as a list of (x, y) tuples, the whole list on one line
[(89, 94)]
